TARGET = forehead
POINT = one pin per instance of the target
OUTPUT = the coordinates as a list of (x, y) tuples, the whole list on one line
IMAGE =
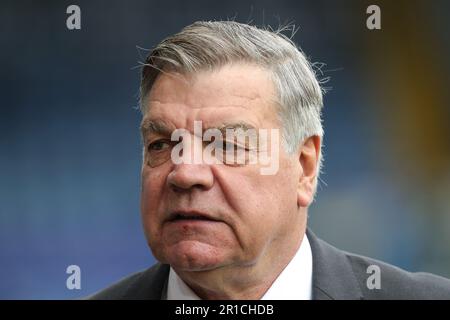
[(232, 93)]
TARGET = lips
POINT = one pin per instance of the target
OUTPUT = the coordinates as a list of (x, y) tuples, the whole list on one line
[(181, 215)]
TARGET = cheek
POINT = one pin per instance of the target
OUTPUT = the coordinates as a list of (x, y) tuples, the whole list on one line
[(264, 203), (254, 200), (263, 193), (152, 188)]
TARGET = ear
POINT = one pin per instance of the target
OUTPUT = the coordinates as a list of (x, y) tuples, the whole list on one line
[(309, 162)]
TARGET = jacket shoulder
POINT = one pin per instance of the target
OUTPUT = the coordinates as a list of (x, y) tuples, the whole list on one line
[(396, 283), (147, 284)]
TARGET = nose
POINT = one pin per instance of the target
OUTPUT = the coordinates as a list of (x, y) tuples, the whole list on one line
[(185, 177)]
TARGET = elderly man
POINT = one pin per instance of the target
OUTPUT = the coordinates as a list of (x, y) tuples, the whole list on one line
[(220, 226)]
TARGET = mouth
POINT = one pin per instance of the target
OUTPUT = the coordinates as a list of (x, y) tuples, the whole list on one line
[(190, 215)]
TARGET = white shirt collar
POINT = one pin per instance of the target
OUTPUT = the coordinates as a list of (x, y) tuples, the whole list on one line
[(293, 283)]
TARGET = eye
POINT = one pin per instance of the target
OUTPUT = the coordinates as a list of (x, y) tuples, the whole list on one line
[(227, 146), (158, 145)]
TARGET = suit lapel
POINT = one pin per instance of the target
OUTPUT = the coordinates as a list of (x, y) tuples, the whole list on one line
[(151, 284), (333, 276)]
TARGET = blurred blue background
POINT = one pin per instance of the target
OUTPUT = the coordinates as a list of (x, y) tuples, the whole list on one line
[(70, 146)]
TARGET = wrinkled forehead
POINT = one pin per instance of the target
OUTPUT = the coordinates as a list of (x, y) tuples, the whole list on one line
[(240, 92)]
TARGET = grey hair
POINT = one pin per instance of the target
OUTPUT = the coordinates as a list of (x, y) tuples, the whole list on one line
[(208, 45)]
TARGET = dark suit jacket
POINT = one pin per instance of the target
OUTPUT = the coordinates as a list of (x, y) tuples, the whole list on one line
[(336, 275)]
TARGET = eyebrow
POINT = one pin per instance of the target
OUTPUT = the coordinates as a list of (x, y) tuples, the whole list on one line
[(151, 126), (234, 125), (155, 126)]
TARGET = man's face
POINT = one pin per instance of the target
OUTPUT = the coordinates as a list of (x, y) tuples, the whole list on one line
[(202, 216)]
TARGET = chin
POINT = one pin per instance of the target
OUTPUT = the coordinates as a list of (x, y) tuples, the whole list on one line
[(193, 256)]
